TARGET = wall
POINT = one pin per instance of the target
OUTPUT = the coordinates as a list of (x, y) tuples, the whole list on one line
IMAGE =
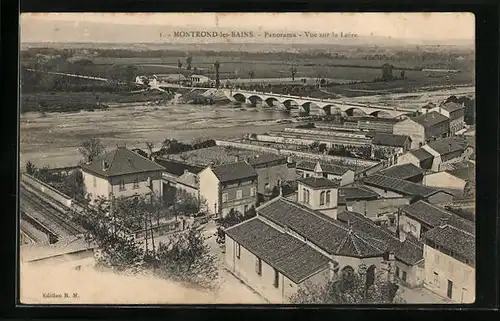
[(271, 175), (408, 158), (444, 180), (314, 197), (323, 133), (374, 208), (210, 190), (414, 274), (384, 193), (462, 275), (347, 178), (47, 190), (142, 187), (189, 189), (408, 225), (438, 130), (410, 128), (238, 204)]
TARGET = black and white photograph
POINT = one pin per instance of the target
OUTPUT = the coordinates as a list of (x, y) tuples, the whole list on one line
[(247, 158)]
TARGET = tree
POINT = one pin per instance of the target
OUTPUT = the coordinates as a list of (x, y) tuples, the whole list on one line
[(130, 73), (150, 146), (293, 71), (217, 66), (140, 152), (349, 287), (186, 203), (314, 145), (251, 74), (75, 185), (30, 168), (186, 257), (189, 59), (91, 148)]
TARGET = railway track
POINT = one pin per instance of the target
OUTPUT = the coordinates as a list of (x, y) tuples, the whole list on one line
[(50, 217)]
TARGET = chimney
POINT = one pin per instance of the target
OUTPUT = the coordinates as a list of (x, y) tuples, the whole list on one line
[(449, 147), (104, 165), (443, 221), (186, 171)]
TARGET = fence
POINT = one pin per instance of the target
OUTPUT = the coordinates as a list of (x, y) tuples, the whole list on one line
[(48, 190), (159, 230)]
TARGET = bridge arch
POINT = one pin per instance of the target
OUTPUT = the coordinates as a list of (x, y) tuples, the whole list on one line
[(353, 111), (239, 97), (381, 114), (272, 101), (255, 99), (290, 104)]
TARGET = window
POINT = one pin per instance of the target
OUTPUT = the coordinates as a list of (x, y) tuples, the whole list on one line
[(327, 200), (238, 250), (307, 196), (122, 185), (397, 271), (304, 195), (322, 198), (307, 175), (95, 181), (258, 266), (253, 191), (224, 198), (436, 280), (246, 209), (239, 194), (325, 175), (403, 277), (276, 278), (136, 183)]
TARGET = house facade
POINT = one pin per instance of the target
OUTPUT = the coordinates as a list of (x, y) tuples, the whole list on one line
[(329, 171), (419, 157), (122, 173), (389, 146), (448, 151), (423, 128), (455, 112), (319, 193), (229, 187)]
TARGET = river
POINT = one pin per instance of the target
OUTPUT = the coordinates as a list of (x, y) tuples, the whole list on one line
[(53, 139)]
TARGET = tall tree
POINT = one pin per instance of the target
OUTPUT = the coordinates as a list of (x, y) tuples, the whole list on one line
[(189, 59), (30, 168), (251, 74), (91, 148), (217, 81), (293, 71), (150, 146)]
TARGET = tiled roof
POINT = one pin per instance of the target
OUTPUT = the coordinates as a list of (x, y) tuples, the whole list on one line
[(355, 193), (234, 171), (387, 139), (293, 258), (121, 161), (330, 235), (399, 186), (404, 171), (448, 145), (177, 168), (466, 173), (421, 154), (305, 165), (430, 119), (188, 179), (319, 182), (410, 251), (333, 169), (451, 106), (431, 216), (455, 240)]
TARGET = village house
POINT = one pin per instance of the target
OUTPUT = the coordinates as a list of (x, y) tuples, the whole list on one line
[(285, 237), (454, 181), (419, 157), (350, 196), (420, 217), (448, 151), (329, 171), (408, 253), (455, 113), (229, 187), (389, 145), (423, 128), (122, 173), (319, 193), (450, 257), (394, 188), (407, 172)]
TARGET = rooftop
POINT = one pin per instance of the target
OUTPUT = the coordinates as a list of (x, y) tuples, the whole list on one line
[(325, 167), (467, 173), (451, 106), (421, 154), (332, 236), (120, 161), (455, 240), (399, 186), (431, 215), (448, 145), (177, 168), (410, 251), (188, 179), (404, 171), (224, 155), (319, 182), (39, 251), (356, 193), (293, 258), (430, 119), (387, 139), (234, 171)]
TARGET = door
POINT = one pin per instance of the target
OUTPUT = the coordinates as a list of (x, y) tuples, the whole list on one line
[(464, 295), (450, 289)]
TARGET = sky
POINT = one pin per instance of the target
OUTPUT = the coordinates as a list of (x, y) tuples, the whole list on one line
[(427, 26)]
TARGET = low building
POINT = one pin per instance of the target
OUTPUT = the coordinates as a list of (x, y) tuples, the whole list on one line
[(122, 173), (200, 79), (330, 171), (448, 151), (229, 187), (455, 112), (450, 257), (423, 128), (351, 195), (419, 157), (408, 172), (420, 217), (287, 237), (391, 187), (189, 182), (372, 123), (408, 253), (390, 145), (455, 181)]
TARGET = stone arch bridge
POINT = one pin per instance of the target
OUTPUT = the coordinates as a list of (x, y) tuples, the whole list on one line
[(306, 104)]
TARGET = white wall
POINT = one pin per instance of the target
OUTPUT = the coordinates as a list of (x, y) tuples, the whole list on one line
[(410, 128), (444, 180), (210, 190), (141, 189), (408, 158), (96, 186)]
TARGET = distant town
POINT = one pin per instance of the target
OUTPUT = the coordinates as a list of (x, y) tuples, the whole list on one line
[(350, 189)]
